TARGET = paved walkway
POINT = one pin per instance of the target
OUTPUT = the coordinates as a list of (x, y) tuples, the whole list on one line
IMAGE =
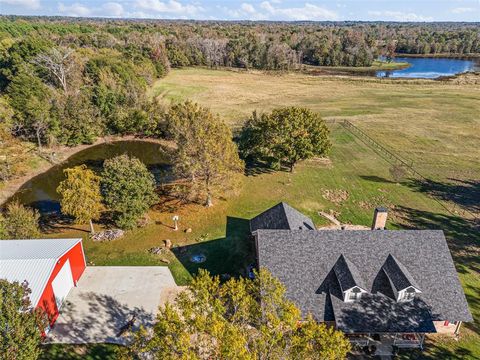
[(107, 298)]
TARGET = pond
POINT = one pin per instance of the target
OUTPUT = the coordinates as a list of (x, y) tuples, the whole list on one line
[(431, 68), (40, 192)]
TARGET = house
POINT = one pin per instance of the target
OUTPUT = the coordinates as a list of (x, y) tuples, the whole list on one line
[(50, 267), (367, 283)]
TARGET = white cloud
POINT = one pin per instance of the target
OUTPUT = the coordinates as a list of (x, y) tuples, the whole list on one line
[(462, 10), (109, 9), (399, 16), (248, 8), (113, 9), (268, 10), (29, 4), (172, 7), (76, 9), (306, 12)]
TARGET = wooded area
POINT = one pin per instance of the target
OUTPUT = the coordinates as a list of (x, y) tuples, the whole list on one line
[(69, 81)]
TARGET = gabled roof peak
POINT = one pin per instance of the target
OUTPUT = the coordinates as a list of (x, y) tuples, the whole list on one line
[(348, 274), (398, 274)]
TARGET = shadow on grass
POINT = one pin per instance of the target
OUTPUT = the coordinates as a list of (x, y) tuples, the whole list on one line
[(376, 179), (464, 193), (434, 351), (78, 352), (229, 255), (254, 168)]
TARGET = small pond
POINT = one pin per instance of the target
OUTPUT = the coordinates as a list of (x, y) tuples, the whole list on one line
[(431, 68), (40, 192)]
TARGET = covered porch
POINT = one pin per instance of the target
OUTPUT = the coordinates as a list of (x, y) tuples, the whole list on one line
[(400, 340)]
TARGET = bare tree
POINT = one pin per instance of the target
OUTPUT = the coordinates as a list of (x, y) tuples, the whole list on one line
[(58, 62)]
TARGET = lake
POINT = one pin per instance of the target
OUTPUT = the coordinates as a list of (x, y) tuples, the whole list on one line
[(431, 68), (40, 192)]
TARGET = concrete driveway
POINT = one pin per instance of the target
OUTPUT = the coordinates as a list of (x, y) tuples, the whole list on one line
[(107, 298)]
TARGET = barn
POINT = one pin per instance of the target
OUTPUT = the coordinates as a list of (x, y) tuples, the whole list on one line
[(50, 266)]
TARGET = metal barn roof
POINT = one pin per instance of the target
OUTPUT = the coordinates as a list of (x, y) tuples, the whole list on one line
[(33, 261)]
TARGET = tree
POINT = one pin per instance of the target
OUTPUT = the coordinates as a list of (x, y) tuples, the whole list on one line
[(285, 136), (20, 222), (80, 195), (20, 325), (58, 62), (128, 189), (206, 153), (240, 319)]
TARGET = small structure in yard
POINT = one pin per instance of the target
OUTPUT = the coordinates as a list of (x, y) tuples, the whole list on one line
[(397, 285), (50, 267)]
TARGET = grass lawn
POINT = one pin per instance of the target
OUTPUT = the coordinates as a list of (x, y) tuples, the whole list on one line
[(429, 122), (79, 352)]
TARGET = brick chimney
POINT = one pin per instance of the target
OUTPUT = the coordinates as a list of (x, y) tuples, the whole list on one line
[(379, 218)]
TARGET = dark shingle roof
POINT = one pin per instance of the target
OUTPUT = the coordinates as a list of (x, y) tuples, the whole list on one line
[(347, 274), (281, 216), (398, 274), (304, 261)]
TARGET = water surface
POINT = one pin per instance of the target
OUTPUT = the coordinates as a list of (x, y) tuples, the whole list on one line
[(40, 192), (431, 68)]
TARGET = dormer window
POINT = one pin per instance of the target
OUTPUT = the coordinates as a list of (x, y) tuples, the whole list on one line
[(351, 283), (407, 294), (355, 294), (403, 285)]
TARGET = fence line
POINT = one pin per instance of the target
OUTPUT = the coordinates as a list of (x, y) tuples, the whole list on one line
[(390, 156)]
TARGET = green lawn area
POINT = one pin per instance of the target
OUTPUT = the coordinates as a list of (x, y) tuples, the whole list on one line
[(429, 122), (79, 352)]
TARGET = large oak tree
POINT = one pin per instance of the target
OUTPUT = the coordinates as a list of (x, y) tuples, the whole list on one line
[(285, 136), (206, 154), (128, 189)]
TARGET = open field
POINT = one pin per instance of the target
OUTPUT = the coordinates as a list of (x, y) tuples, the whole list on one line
[(432, 123)]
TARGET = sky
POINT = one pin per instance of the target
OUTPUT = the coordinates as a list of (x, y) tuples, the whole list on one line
[(288, 10)]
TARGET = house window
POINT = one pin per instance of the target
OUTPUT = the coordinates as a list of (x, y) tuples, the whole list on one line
[(408, 294), (355, 294)]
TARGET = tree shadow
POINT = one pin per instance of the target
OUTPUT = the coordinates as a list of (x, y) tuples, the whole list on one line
[(464, 193), (461, 233), (255, 168), (57, 223), (100, 318), (229, 255), (433, 351), (378, 179), (376, 313)]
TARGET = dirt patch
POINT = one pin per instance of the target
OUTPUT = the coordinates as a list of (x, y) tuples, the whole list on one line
[(336, 196)]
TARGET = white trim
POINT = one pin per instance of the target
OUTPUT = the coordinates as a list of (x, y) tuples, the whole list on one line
[(53, 268)]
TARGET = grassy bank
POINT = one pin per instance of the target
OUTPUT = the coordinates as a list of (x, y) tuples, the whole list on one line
[(351, 70)]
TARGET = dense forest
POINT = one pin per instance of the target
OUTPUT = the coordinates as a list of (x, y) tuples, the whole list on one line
[(69, 81)]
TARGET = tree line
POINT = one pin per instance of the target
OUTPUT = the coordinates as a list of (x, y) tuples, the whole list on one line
[(69, 82)]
